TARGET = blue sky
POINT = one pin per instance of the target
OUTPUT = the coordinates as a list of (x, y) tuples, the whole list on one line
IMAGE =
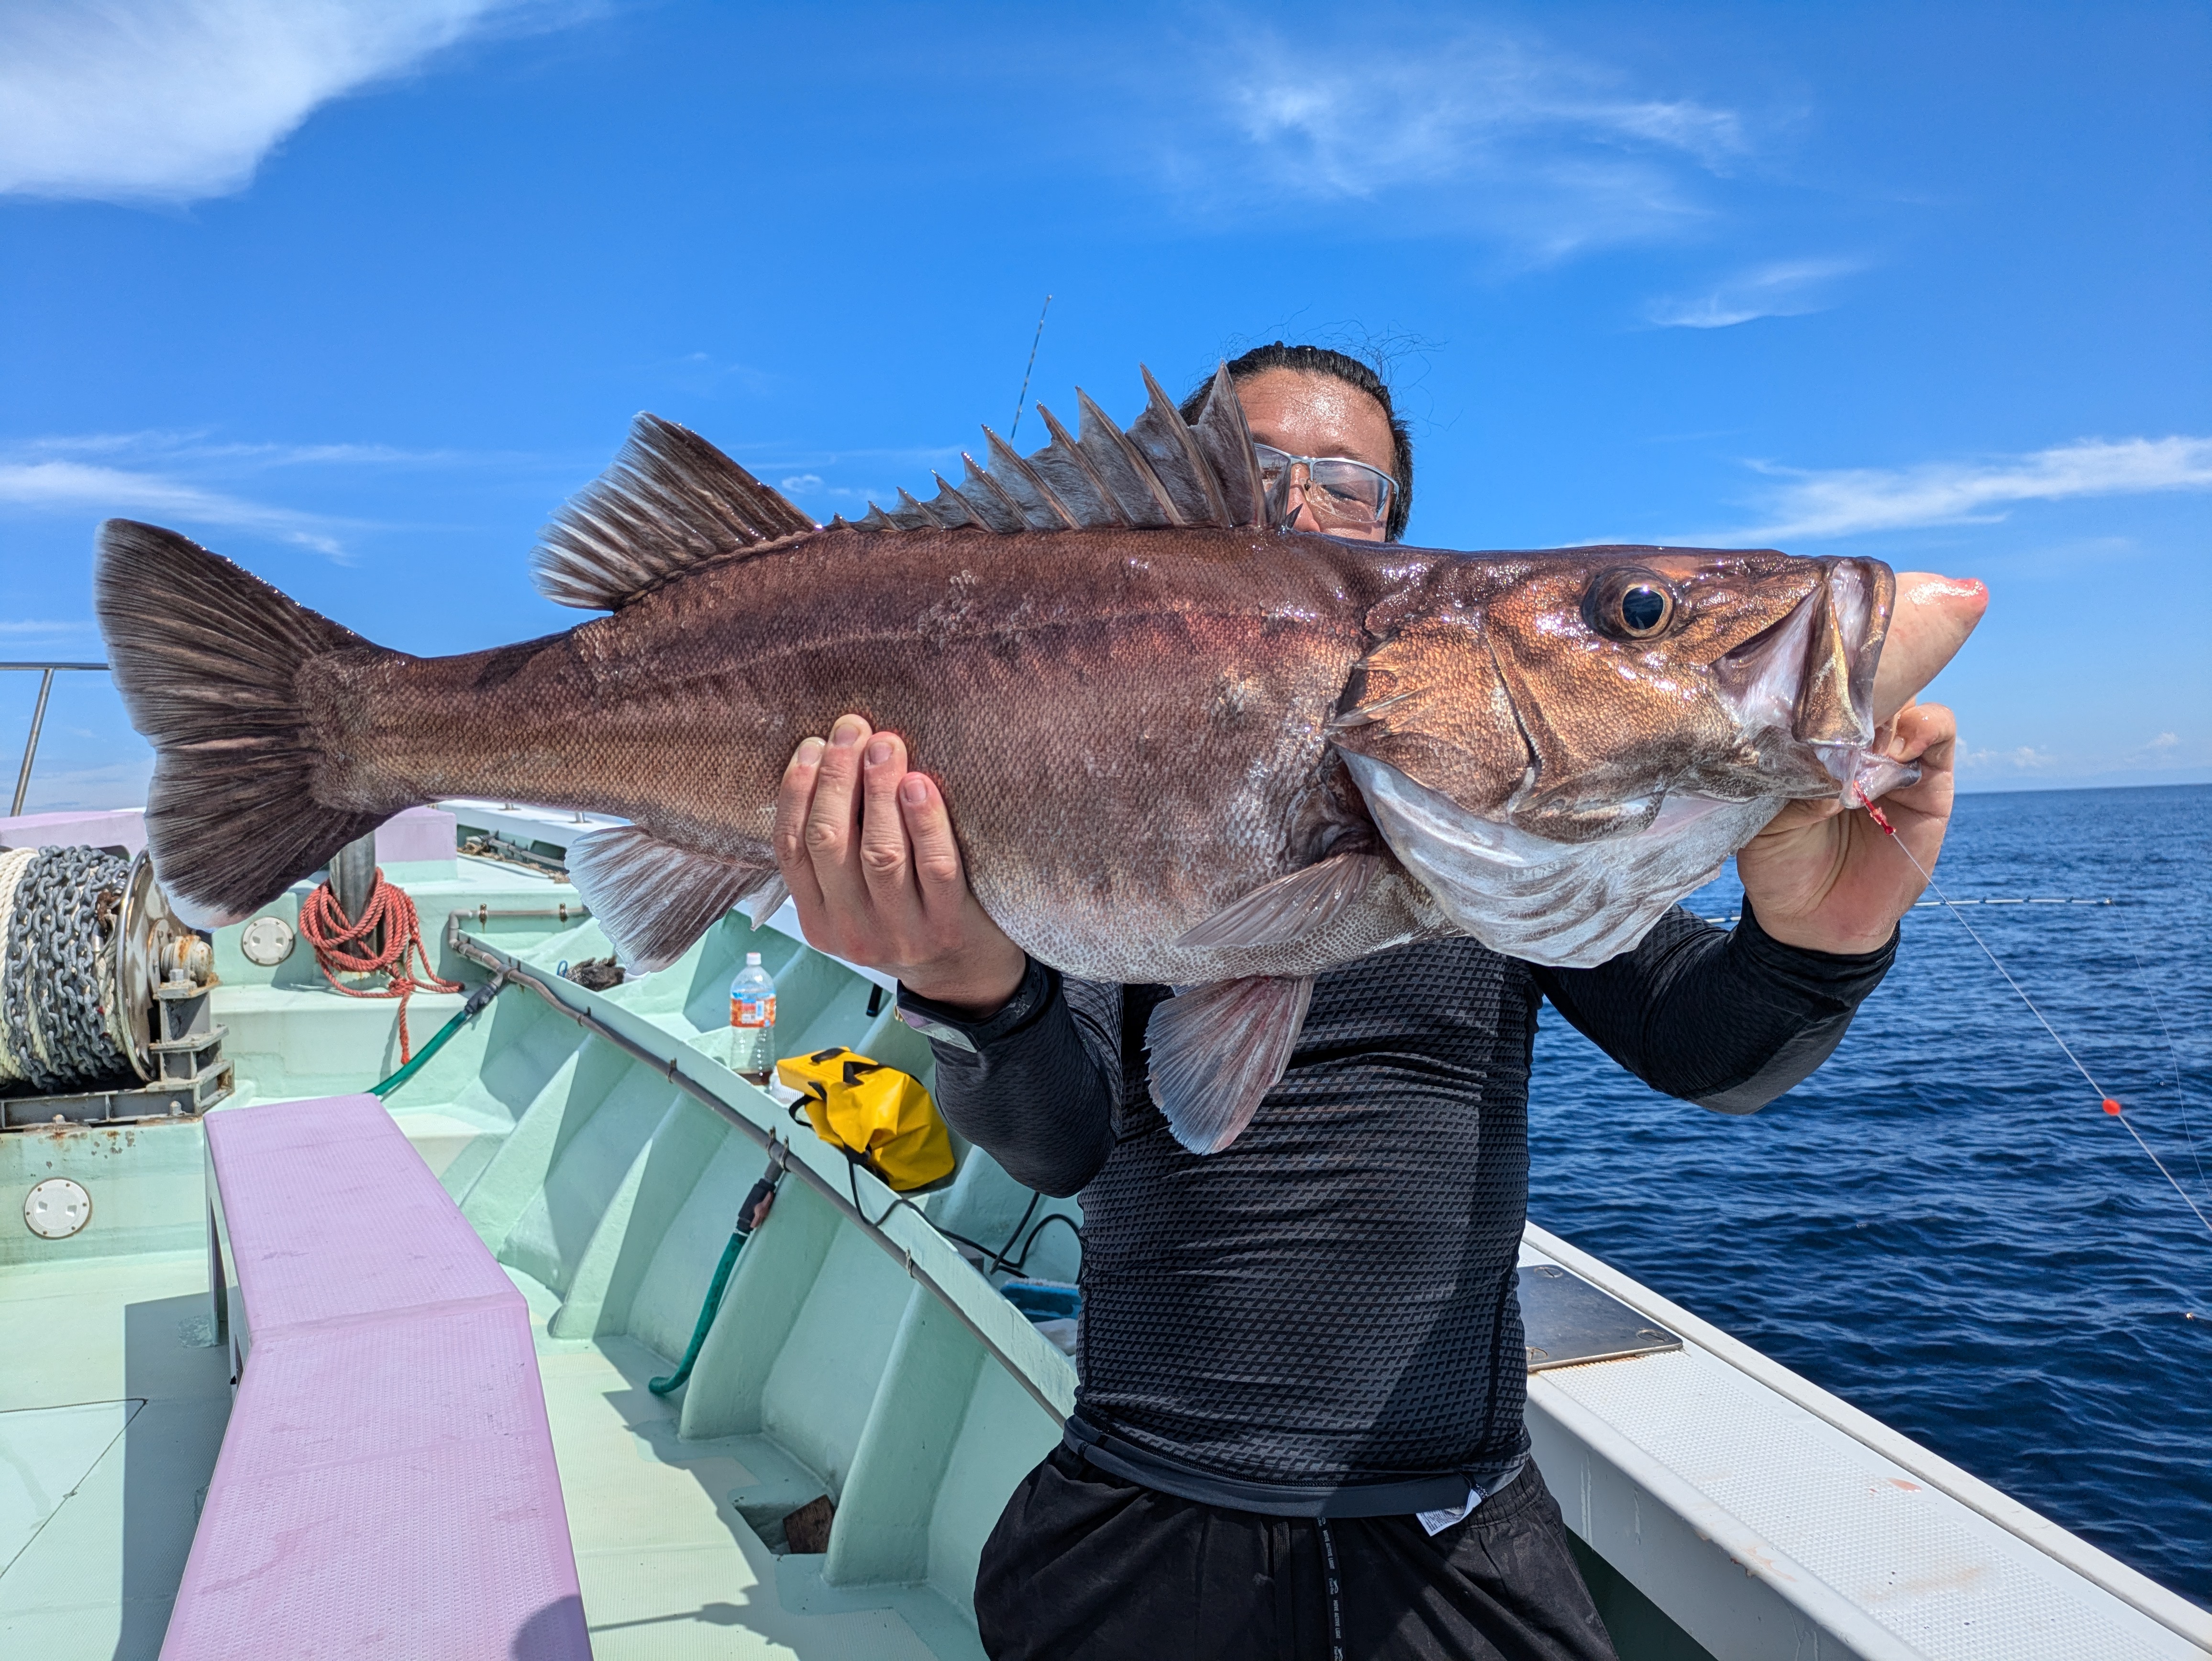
[(357, 291)]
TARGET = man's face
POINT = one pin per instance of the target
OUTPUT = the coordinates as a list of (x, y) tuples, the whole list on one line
[(1317, 415)]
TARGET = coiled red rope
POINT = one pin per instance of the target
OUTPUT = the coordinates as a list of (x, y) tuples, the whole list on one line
[(339, 945)]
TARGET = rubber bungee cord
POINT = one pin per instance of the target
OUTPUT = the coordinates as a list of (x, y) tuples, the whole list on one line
[(338, 944), (2110, 1103)]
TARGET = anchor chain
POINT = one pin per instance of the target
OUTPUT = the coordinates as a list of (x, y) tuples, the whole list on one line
[(57, 1027)]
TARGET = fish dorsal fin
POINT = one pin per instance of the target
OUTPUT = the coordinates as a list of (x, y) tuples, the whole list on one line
[(1161, 471), (670, 500), (1227, 442)]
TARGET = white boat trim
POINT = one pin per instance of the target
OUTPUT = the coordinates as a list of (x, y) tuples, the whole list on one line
[(1570, 1422)]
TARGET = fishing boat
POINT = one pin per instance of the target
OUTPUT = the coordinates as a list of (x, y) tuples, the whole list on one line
[(305, 1350)]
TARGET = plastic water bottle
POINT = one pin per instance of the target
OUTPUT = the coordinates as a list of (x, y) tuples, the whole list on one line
[(752, 1014)]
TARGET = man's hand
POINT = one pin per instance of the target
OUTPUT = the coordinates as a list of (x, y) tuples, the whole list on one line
[(1825, 876), (866, 848)]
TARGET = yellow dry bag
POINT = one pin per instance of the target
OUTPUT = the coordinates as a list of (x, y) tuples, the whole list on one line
[(881, 1114)]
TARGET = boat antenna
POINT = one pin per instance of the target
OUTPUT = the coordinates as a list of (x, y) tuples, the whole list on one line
[(1022, 402)]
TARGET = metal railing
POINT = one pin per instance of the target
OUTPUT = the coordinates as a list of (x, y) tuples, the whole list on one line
[(48, 671)]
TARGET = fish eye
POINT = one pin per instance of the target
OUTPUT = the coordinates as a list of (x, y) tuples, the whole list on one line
[(1629, 605)]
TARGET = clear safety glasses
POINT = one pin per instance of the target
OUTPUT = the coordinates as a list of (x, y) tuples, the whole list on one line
[(1344, 494)]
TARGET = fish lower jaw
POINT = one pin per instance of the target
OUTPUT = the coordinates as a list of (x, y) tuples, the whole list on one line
[(1570, 905)]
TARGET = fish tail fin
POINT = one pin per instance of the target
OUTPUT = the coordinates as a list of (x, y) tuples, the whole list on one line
[(206, 655)]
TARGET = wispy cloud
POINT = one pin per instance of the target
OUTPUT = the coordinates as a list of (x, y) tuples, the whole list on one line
[(192, 479), (1504, 134), (178, 99), (1785, 288), (42, 629), (76, 486), (1806, 505), (2164, 753)]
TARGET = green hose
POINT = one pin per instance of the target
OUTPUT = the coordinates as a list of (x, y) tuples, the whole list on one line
[(478, 999), (750, 1217)]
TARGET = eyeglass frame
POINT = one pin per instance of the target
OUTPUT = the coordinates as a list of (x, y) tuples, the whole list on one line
[(1278, 496)]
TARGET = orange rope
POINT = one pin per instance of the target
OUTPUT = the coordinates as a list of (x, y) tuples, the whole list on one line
[(338, 944)]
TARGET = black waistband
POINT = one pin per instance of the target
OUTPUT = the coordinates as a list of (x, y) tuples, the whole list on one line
[(1446, 1491)]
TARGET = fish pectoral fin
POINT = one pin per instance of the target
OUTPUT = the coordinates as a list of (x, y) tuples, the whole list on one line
[(1291, 908), (670, 501), (652, 898), (1215, 1049)]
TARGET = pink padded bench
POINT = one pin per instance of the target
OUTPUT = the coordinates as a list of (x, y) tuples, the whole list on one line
[(386, 1485)]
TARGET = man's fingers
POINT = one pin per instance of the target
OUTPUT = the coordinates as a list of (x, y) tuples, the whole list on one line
[(788, 837), (883, 857), (936, 854), (833, 817)]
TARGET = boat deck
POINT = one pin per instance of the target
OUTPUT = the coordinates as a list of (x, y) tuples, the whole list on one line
[(594, 1141)]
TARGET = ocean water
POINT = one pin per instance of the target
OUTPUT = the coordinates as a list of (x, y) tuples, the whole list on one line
[(1941, 1226)]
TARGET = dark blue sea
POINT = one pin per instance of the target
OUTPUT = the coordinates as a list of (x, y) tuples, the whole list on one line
[(1941, 1226)]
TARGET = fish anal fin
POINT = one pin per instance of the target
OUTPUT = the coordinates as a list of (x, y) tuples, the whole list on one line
[(670, 500), (653, 898), (1215, 1049), (1293, 907)]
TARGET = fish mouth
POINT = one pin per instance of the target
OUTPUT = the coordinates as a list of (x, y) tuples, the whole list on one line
[(1808, 679)]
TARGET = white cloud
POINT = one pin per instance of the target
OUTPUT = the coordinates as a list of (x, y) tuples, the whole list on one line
[(1785, 288), (175, 100), (71, 486), (801, 482), (1809, 505), (39, 629), (2021, 758), (1508, 136)]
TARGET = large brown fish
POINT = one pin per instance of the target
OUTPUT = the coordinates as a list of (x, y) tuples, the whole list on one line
[(1183, 745)]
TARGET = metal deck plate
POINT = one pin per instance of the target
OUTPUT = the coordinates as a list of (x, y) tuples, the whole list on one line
[(1566, 1320)]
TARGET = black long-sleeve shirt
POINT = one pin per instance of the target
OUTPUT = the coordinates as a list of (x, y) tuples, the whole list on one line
[(1331, 1298)]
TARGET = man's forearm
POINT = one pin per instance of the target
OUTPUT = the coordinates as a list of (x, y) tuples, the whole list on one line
[(1728, 1020), (1028, 1084)]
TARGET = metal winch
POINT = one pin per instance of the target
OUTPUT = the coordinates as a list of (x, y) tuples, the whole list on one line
[(105, 995)]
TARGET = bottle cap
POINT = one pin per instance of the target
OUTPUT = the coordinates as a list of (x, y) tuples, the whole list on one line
[(752, 960)]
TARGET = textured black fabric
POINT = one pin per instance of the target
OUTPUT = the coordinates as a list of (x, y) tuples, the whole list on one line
[(1331, 1299), (1084, 1566)]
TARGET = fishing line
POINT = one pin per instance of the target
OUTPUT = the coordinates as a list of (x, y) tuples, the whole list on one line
[(2173, 1054), (1022, 402), (2110, 1103)]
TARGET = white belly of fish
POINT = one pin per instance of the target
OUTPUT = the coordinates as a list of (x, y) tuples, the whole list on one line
[(1569, 905)]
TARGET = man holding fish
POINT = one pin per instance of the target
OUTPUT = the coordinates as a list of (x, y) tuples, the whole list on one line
[(1299, 1426), (1274, 833)]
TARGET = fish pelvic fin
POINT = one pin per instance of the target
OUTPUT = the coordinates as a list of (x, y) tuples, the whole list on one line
[(1163, 470), (653, 899), (670, 501), (1215, 1049), (206, 656)]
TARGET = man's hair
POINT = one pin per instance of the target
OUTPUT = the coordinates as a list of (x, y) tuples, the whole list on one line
[(1323, 360)]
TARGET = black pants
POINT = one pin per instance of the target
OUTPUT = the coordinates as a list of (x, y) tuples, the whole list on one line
[(1085, 1567)]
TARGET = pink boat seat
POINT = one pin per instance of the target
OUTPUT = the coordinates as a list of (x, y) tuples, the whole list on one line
[(386, 1486)]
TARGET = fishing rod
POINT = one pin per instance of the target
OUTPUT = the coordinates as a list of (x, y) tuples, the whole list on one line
[(2110, 1103), (1022, 402)]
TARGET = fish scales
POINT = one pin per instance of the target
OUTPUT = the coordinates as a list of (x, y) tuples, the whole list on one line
[(1094, 704)]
